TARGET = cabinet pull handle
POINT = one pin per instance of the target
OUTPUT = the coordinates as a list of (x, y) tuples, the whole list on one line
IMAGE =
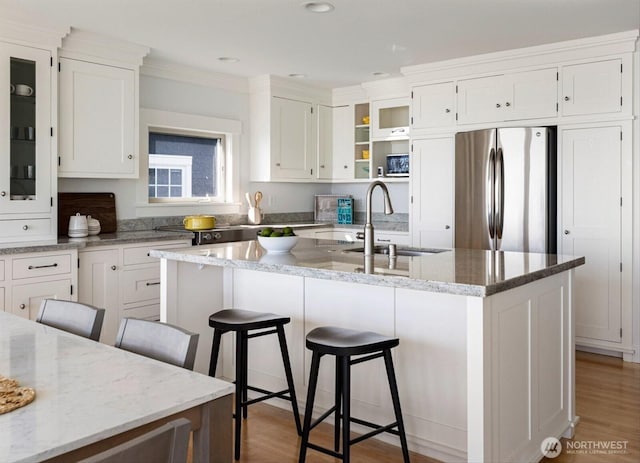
[(113, 267), (447, 110), (447, 227), (32, 267), (566, 98), (507, 104), (25, 227), (498, 105), (22, 306), (3, 193), (153, 284), (566, 232), (400, 130), (130, 156)]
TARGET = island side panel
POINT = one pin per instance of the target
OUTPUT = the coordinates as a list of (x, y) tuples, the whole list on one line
[(520, 360)]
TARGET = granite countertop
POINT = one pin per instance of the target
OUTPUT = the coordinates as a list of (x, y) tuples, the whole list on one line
[(106, 239), (453, 271)]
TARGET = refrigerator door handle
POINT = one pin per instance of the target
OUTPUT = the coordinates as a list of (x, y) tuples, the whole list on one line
[(499, 220), (490, 194)]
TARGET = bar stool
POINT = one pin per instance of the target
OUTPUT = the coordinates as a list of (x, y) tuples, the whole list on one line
[(241, 322), (343, 343)]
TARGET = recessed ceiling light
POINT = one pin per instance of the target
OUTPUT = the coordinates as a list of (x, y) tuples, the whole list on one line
[(228, 59), (381, 74), (298, 76), (319, 7)]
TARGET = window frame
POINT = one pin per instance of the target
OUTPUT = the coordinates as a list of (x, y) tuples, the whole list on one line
[(152, 120)]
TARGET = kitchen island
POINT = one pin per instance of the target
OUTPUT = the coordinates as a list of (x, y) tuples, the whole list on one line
[(485, 364)]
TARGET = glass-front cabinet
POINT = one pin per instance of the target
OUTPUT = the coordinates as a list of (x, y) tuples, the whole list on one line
[(25, 105)]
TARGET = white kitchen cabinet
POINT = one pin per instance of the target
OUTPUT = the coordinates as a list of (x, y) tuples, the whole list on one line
[(32, 277), (325, 142), (3, 291), (432, 192), (98, 285), (98, 110), (26, 187), (433, 105), (124, 280), (292, 139), (595, 169), (343, 140), (390, 118), (515, 96), (591, 88)]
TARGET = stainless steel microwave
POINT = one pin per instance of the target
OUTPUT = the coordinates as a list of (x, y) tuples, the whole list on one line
[(397, 165)]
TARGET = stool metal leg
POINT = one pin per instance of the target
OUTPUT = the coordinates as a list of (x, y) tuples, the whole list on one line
[(308, 411), (215, 351), (346, 407), (245, 370), (240, 381), (393, 386), (337, 416), (287, 371)]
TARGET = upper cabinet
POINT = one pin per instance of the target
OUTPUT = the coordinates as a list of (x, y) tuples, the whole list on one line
[(98, 107), (589, 88), (433, 105), (335, 141), (284, 138), (515, 96), (390, 118)]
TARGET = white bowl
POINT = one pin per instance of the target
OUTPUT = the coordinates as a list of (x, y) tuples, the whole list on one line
[(278, 244)]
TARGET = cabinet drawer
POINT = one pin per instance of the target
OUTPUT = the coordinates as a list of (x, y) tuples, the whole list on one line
[(140, 254), (37, 266), (148, 312), (140, 284), (24, 228)]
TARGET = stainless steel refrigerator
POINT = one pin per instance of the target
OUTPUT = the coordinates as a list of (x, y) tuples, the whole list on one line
[(505, 189)]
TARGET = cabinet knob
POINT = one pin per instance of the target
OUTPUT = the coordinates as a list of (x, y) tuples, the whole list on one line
[(498, 105), (3, 193), (447, 227), (25, 227), (566, 232), (447, 110), (346, 166), (278, 164), (507, 104), (22, 306), (113, 267), (130, 156), (566, 98), (322, 166)]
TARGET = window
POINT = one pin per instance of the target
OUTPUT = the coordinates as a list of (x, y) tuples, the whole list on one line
[(185, 166)]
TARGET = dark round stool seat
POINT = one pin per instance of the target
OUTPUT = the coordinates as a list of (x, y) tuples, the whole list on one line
[(237, 319), (345, 342)]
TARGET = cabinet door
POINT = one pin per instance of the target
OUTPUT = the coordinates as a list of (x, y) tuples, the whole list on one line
[(292, 139), (98, 286), (325, 142), (25, 155), (97, 121), (592, 88), (591, 217), (531, 94), (26, 298), (432, 192), (343, 140), (433, 106), (390, 118), (481, 100)]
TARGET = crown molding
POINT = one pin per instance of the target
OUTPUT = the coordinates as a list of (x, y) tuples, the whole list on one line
[(25, 30), (289, 88), (156, 67), (88, 46)]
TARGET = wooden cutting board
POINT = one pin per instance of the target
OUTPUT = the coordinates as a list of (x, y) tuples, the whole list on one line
[(101, 206)]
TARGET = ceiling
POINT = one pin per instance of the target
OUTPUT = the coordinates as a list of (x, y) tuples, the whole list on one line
[(340, 48)]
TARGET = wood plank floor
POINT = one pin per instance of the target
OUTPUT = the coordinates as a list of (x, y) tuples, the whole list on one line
[(607, 401)]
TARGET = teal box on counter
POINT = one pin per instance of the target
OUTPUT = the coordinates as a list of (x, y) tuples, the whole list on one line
[(345, 210)]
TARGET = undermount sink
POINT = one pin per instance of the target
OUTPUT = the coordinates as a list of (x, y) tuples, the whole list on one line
[(399, 251)]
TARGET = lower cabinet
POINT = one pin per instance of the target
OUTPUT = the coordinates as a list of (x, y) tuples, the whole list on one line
[(30, 278), (124, 280)]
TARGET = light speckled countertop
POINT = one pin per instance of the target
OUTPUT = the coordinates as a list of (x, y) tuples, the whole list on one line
[(457, 271), (107, 239)]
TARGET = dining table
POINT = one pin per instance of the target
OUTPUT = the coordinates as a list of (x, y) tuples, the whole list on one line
[(91, 396)]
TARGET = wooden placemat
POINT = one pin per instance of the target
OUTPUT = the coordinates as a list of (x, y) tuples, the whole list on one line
[(13, 396)]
